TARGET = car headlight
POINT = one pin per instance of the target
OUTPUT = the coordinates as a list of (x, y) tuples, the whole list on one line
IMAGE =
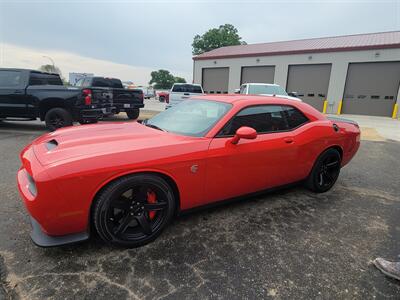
[(31, 185)]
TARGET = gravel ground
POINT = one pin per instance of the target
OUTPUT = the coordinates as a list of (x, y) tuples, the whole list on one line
[(283, 245)]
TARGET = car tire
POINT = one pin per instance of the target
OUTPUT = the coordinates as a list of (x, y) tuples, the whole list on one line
[(133, 114), (123, 214), (57, 117), (161, 99), (325, 171)]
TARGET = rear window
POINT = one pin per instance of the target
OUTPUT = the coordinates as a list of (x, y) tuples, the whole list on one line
[(294, 117), (10, 78), (44, 79), (187, 88), (107, 82)]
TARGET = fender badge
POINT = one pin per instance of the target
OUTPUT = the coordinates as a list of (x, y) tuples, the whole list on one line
[(194, 168)]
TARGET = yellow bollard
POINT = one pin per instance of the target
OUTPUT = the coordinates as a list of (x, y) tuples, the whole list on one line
[(339, 109), (395, 109), (325, 106)]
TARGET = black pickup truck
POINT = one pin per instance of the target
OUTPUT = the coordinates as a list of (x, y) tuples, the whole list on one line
[(30, 94), (128, 100)]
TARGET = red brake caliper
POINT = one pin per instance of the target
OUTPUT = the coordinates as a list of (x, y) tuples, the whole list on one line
[(151, 198)]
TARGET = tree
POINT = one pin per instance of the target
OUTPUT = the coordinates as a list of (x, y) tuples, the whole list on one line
[(50, 69), (163, 79), (224, 35), (179, 79)]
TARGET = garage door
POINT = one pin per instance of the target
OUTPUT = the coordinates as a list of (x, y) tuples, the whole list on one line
[(259, 74), (310, 82), (215, 80), (371, 88)]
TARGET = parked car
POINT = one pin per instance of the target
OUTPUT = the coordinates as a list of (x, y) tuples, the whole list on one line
[(31, 95), (163, 96), (127, 100), (126, 181), (183, 91), (265, 89), (148, 92)]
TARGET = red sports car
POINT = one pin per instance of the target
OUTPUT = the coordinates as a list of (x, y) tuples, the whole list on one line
[(126, 181)]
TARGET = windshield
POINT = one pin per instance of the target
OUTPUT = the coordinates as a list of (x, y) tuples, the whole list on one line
[(190, 117), (267, 89), (187, 88)]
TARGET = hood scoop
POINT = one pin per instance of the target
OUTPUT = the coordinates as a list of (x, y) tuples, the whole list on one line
[(50, 145)]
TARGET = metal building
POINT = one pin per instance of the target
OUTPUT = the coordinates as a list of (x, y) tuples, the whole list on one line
[(354, 74)]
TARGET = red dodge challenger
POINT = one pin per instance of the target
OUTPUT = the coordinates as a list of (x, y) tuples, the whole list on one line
[(126, 181)]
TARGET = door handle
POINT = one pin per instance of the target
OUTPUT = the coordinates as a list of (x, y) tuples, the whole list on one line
[(288, 140), (18, 92)]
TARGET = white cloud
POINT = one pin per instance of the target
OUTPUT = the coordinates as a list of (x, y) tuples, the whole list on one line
[(13, 56)]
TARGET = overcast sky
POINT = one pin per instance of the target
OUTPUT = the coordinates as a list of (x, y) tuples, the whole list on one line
[(129, 39)]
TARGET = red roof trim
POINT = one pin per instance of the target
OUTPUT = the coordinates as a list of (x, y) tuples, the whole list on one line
[(339, 49)]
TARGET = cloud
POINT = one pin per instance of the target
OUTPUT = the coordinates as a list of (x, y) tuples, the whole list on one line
[(13, 56)]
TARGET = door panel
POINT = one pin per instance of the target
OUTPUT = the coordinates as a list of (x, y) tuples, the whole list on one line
[(311, 82), (12, 94), (371, 88), (258, 74), (249, 166), (215, 80)]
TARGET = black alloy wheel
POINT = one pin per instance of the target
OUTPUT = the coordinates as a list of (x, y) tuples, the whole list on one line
[(58, 117), (325, 172), (133, 211)]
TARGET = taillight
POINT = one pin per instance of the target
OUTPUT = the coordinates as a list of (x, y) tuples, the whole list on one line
[(88, 96)]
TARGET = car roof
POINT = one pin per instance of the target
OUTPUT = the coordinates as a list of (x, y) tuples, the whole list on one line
[(255, 83), (232, 98), (181, 83), (27, 70)]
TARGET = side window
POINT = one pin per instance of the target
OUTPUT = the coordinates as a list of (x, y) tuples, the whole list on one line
[(263, 118), (294, 117), (10, 78), (37, 78)]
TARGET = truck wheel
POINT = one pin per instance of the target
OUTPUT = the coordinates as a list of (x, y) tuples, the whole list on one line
[(133, 114), (57, 117), (161, 99)]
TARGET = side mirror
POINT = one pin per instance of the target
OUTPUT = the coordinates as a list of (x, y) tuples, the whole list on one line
[(237, 91), (244, 133), (293, 94)]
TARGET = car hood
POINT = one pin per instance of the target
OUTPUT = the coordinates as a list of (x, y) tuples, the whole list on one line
[(99, 139)]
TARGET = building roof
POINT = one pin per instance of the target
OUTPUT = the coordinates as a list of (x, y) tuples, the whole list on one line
[(381, 40)]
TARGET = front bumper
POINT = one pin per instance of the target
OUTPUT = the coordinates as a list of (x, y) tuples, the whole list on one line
[(40, 238)]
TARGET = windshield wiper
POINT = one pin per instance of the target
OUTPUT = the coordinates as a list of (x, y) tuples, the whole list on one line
[(154, 126)]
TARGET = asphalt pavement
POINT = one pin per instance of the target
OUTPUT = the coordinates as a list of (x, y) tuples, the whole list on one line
[(290, 244)]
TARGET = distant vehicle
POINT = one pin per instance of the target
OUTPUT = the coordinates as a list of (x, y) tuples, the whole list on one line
[(265, 89), (127, 100), (183, 91), (31, 94), (148, 92), (128, 84), (163, 96)]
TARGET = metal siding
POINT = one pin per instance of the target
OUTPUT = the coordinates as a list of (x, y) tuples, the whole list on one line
[(311, 82), (215, 80), (258, 74), (367, 86)]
